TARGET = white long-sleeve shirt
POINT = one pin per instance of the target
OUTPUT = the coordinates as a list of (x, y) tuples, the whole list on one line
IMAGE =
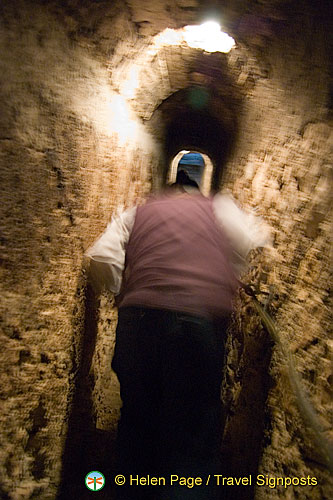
[(244, 231)]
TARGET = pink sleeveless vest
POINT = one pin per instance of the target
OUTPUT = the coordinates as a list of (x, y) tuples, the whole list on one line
[(178, 258)]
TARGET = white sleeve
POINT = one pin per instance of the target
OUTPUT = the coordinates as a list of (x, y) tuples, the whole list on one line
[(244, 230), (107, 255)]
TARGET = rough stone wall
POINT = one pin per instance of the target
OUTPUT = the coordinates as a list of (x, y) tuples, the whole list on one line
[(65, 166), (282, 165)]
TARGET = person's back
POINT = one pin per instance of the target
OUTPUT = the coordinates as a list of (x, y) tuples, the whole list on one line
[(174, 260), (177, 258)]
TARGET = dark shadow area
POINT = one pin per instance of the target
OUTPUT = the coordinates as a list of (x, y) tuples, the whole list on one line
[(199, 130), (87, 448), (247, 418)]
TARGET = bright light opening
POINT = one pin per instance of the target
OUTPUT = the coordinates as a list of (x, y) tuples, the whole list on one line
[(206, 178), (209, 37)]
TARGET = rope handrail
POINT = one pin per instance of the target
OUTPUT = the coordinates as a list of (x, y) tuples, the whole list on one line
[(306, 409)]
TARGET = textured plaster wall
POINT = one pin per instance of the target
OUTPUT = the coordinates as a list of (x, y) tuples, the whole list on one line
[(76, 142), (65, 166), (282, 165)]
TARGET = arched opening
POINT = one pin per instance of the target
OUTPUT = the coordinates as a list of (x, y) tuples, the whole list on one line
[(199, 130), (198, 165), (197, 118)]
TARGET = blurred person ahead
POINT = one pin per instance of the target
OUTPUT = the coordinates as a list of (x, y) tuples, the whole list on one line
[(173, 265)]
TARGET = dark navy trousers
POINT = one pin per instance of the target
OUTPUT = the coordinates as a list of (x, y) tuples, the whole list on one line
[(169, 365)]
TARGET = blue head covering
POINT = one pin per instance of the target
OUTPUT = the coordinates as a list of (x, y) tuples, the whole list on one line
[(193, 164), (194, 159)]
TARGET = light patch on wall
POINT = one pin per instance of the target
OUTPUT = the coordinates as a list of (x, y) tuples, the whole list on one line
[(168, 37), (209, 37), (130, 85), (122, 121), (108, 112), (172, 173)]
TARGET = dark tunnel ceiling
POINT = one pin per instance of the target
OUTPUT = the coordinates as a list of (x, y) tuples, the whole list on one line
[(200, 131), (190, 124)]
